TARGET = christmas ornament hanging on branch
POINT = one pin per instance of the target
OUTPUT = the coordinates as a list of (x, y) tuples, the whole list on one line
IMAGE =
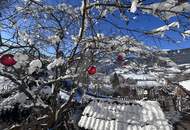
[(8, 60), (121, 56), (91, 70)]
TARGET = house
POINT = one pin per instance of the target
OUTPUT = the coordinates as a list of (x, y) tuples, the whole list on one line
[(185, 84), (180, 56), (183, 96), (137, 85), (109, 114)]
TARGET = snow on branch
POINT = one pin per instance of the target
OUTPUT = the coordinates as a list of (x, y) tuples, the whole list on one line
[(134, 6), (161, 30), (34, 65), (10, 76), (166, 9), (186, 34), (60, 78), (57, 62), (18, 83)]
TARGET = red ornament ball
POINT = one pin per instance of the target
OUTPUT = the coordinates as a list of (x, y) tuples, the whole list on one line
[(7, 60), (91, 70), (121, 56)]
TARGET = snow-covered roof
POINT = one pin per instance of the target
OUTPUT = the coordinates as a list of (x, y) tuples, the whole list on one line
[(148, 84), (166, 50), (185, 84), (123, 115), (157, 69), (184, 65), (173, 70), (138, 76), (170, 76), (186, 71), (164, 58)]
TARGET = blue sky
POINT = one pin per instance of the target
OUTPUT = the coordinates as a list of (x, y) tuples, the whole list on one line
[(141, 22), (147, 22)]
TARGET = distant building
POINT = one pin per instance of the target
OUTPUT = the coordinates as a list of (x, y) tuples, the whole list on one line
[(181, 56)]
